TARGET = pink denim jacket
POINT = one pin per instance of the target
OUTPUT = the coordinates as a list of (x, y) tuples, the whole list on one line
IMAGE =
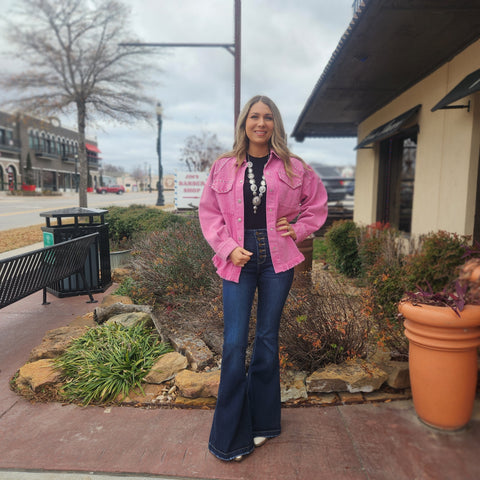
[(221, 211)]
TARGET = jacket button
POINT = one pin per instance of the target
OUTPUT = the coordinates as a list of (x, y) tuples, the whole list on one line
[(239, 200), (239, 219)]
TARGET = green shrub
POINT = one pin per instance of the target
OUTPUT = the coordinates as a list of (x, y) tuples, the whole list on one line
[(108, 361), (320, 249), (133, 289), (126, 223), (373, 243), (342, 241), (434, 265)]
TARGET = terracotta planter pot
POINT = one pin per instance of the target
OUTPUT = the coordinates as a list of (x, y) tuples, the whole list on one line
[(28, 188), (443, 362), (306, 247)]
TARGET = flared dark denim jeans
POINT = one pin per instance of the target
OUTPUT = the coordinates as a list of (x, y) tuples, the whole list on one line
[(249, 405)]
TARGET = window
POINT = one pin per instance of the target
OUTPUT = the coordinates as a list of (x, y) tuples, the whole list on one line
[(31, 139), (397, 179)]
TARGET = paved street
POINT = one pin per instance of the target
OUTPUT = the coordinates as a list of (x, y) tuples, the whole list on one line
[(24, 211)]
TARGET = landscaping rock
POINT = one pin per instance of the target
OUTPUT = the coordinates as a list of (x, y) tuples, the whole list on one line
[(398, 374), (348, 397), (131, 319), (55, 342), (292, 386), (111, 299), (353, 376), (151, 392), (197, 384), (323, 399), (120, 274), (84, 321), (166, 367), (102, 314), (194, 348), (38, 374), (207, 403)]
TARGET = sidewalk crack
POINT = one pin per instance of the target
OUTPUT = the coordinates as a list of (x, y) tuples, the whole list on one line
[(8, 409), (354, 443)]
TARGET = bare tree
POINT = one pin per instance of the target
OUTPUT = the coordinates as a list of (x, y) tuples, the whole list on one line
[(72, 63), (113, 170), (200, 151), (138, 174)]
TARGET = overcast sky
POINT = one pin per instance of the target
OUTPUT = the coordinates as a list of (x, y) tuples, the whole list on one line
[(285, 47)]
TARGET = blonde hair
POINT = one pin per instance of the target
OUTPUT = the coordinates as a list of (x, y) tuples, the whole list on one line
[(277, 142)]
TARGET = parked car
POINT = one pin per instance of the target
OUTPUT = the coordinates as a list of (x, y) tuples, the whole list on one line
[(351, 187), (333, 181), (118, 189)]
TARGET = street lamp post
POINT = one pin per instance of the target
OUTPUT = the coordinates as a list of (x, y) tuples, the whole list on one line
[(76, 174), (160, 199)]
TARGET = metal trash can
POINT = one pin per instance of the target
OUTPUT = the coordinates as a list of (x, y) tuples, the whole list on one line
[(73, 223)]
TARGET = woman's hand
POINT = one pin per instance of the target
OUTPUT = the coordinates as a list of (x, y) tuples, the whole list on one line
[(283, 224), (239, 256)]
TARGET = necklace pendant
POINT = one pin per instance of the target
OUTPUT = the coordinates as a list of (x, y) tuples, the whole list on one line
[(256, 201)]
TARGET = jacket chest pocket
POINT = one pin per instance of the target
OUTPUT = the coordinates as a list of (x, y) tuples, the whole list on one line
[(290, 190), (224, 194)]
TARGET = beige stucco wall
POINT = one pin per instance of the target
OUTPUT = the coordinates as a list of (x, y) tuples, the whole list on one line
[(447, 152)]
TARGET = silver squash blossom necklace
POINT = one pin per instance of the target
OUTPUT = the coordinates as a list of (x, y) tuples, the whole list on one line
[(257, 191)]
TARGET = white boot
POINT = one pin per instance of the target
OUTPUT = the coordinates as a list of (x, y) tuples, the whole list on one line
[(259, 441)]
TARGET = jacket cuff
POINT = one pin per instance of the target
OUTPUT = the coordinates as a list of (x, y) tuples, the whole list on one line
[(226, 248)]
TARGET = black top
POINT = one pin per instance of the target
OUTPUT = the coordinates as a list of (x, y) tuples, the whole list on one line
[(259, 219)]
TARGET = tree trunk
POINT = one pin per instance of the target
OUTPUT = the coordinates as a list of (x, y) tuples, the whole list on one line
[(82, 155)]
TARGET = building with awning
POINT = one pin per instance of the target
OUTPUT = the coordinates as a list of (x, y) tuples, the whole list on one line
[(405, 81), (42, 154)]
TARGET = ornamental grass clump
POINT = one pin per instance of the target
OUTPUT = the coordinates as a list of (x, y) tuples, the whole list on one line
[(109, 361)]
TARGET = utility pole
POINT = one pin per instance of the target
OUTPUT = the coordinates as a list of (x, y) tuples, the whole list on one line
[(160, 198)]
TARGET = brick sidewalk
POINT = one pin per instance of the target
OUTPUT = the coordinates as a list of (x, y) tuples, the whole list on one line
[(380, 441)]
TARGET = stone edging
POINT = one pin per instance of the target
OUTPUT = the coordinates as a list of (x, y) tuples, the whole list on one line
[(175, 380)]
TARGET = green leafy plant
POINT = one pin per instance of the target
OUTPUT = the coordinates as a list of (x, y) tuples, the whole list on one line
[(433, 266), (125, 224), (464, 290), (29, 175), (108, 361), (320, 249), (133, 289), (342, 241)]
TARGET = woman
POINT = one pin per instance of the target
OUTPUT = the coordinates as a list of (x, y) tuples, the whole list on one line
[(251, 196)]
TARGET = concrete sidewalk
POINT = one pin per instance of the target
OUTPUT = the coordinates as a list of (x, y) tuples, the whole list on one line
[(51, 441)]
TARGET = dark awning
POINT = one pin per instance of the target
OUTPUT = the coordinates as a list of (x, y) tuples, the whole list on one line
[(389, 46), (470, 84), (92, 148), (388, 129)]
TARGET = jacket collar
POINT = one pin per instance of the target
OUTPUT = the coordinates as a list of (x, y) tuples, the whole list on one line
[(272, 154)]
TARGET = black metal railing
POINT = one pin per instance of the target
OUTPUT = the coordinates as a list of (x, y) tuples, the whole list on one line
[(30, 272), (10, 145)]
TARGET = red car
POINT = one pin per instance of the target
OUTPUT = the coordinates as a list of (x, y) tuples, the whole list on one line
[(118, 189)]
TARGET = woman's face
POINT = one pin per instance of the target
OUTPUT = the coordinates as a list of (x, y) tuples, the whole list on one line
[(259, 125)]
